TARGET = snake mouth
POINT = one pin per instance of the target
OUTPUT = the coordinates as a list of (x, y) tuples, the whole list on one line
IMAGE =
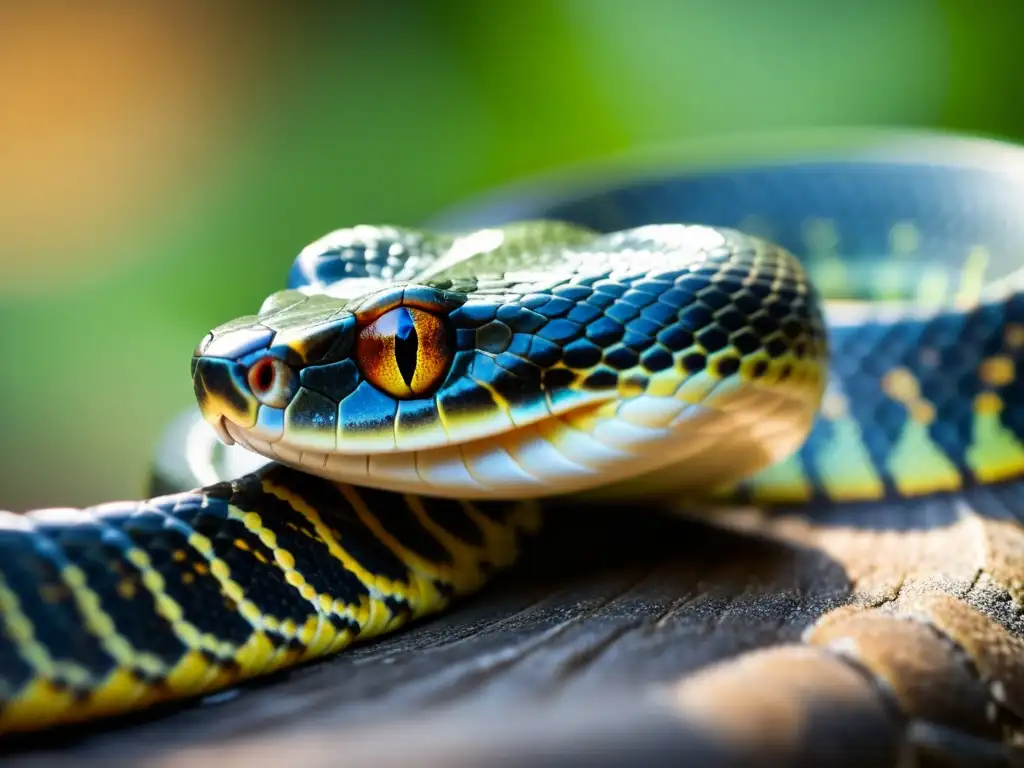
[(594, 445), (523, 462), (220, 427)]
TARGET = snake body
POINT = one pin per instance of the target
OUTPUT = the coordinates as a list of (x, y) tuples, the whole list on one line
[(423, 397)]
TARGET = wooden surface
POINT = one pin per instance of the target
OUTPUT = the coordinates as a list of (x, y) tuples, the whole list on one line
[(865, 637)]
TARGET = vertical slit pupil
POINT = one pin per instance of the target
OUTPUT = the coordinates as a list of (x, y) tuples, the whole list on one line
[(406, 345)]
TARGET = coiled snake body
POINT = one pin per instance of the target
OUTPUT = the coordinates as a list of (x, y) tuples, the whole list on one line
[(422, 395)]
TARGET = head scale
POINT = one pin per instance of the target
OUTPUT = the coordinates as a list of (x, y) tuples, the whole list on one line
[(533, 382)]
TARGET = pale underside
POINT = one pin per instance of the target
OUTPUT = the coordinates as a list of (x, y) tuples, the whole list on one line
[(645, 444)]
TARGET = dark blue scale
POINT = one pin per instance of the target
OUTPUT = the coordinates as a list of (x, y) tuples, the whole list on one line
[(473, 314), (645, 325), (296, 534), (520, 319), (517, 390), (621, 358), (610, 288), (265, 587), (493, 338), (557, 306), (97, 549), (32, 566), (465, 338), (312, 410), (368, 410), (527, 322), (520, 345), (1012, 393), (714, 297), (583, 314), (731, 319), (335, 381), (952, 384), (654, 287), (601, 300), (660, 313), (656, 359), (953, 209), (676, 338), (638, 299), (572, 292), (622, 311), (695, 317), (605, 331), (162, 531), (333, 264), (714, 338), (639, 335), (535, 301), (518, 365), (582, 353), (460, 393), (345, 525), (560, 331), (601, 378)]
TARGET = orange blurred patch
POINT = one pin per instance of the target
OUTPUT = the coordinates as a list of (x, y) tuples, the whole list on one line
[(109, 114)]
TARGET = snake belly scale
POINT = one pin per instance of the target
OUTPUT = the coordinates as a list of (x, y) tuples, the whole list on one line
[(419, 396)]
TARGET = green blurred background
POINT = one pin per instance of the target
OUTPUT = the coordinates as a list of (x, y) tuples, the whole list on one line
[(163, 162)]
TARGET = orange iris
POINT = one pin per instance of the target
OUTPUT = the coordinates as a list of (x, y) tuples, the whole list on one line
[(404, 352)]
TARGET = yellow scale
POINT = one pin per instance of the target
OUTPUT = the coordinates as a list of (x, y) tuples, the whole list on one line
[(917, 465)]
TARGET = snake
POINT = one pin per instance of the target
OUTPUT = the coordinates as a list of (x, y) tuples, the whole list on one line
[(417, 403)]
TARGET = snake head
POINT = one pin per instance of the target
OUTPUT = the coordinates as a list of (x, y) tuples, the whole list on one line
[(310, 371), (247, 373), (589, 360)]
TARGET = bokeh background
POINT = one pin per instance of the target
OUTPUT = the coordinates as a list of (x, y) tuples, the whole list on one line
[(162, 162)]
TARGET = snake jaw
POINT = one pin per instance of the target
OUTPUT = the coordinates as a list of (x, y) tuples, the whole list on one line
[(220, 427), (646, 446)]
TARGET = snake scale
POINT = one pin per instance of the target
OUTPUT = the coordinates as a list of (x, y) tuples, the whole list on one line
[(419, 397)]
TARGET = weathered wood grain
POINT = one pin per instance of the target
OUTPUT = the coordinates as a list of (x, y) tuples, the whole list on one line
[(860, 637)]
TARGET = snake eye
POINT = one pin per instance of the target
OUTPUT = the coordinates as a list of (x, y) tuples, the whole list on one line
[(272, 382), (404, 352)]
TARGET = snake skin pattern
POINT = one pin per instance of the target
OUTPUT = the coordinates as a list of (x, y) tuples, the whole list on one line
[(576, 360), (599, 351), (120, 606)]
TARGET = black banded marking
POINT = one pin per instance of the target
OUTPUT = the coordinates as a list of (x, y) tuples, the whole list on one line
[(350, 532), (32, 573), (118, 585), (185, 572), (296, 534), (394, 515), (17, 671), (450, 515), (496, 511), (251, 565)]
